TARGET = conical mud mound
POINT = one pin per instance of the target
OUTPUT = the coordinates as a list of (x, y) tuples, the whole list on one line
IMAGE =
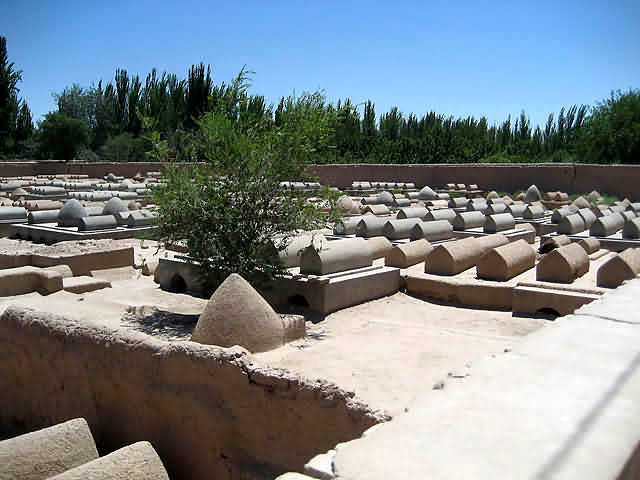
[(237, 315)]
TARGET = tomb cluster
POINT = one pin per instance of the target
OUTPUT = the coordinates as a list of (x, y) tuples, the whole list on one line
[(67, 451), (449, 241), (75, 207), (529, 253)]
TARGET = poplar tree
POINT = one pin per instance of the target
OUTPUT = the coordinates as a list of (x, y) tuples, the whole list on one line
[(9, 104)]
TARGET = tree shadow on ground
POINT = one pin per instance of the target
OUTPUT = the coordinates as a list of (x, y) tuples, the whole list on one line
[(166, 325)]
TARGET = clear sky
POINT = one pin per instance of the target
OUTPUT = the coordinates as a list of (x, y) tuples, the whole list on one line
[(459, 58)]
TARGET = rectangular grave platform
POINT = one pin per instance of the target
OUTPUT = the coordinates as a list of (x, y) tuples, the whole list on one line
[(50, 232), (553, 204), (466, 289), (463, 193), (181, 274), (82, 258), (329, 293), (532, 298), (512, 234), (614, 242), (537, 222), (460, 290), (5, 226), (359, 193), (545, 228), (34, 197)]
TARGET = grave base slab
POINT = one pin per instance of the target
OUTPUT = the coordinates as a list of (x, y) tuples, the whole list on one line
[(329, 293)]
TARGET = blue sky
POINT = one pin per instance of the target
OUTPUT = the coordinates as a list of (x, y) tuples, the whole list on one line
[(457, 58)]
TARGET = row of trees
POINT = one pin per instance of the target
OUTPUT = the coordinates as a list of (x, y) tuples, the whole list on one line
[(435, 138), (125, 119)]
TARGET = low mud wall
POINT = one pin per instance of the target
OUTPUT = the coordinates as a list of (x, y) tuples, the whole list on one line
[(619, 180), (82, 259), (93, 169), (208, 412)]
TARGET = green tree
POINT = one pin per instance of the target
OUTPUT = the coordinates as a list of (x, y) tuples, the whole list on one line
[(612, 134), (347, 130), (24, 124), (199, 89), (232, 212), (83, 104), (369, 120), (9, 103), (124, 148), (105, 116), (61, 137), (78, 102), (391, 124)]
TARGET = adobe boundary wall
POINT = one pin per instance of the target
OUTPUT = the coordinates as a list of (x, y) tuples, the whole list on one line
[(619, 180), (208, 411)]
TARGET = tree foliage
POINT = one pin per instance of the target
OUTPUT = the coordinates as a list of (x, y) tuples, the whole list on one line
[(16, 125), (612, 134), (232, 212), (61, 137), (123, 147)]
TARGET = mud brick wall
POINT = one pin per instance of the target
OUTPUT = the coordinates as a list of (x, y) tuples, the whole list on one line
[(619, 180), (209, 412)]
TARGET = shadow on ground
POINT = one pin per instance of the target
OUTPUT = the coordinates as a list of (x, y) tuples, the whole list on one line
[(160, 323)]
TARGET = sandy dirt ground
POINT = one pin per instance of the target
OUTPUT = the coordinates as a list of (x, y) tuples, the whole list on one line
[(389, 350)]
